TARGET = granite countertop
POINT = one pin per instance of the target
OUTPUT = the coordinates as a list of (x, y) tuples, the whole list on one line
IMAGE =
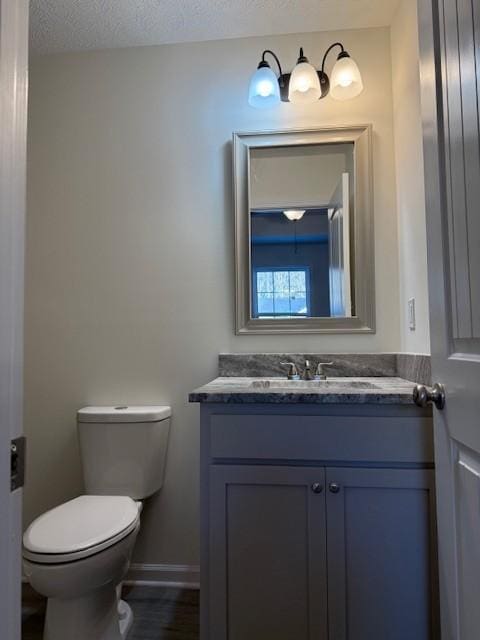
[(344, 390)]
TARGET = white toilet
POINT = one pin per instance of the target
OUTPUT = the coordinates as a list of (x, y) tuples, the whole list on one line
[(78, 553)]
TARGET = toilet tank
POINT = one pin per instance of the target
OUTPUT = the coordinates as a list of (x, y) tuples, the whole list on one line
[(123, 449)]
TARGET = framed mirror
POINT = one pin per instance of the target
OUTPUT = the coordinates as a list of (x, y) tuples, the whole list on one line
[(304, 245)]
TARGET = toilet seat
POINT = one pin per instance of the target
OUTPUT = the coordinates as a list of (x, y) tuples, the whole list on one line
[(80, 528)]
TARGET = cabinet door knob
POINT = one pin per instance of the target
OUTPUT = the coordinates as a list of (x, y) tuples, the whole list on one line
[(334, 487), (317, 487)]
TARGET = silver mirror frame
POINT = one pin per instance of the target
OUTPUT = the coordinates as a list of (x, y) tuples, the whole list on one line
[(364, 246)]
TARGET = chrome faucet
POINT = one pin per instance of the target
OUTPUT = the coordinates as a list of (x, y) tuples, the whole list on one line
[(307, 374), (292, 370), (319, 374), (293, 373)]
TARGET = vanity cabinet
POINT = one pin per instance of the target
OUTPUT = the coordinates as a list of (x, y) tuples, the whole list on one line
[(334, 541)]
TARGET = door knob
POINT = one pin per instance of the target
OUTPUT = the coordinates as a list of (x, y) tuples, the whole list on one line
[(423, 396), (317, 487), (334, 487)]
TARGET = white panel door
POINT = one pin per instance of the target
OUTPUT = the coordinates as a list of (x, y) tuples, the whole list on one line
[(450, 78), (13, 112)]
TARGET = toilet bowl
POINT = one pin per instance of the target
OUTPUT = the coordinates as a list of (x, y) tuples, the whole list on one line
[(78, 553), (75, 555)]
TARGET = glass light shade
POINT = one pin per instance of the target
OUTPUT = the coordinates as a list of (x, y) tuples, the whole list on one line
[(346, 81), (294, 214), (264, 90), (304, 86)]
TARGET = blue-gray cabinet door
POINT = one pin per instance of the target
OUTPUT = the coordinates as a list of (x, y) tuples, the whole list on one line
[(381, 554), (267, 553)]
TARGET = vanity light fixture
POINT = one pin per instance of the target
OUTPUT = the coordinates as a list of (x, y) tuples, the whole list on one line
[(294, 215), (305, 84)]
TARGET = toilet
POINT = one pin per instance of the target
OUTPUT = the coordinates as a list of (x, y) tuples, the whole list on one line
[(78, 553)]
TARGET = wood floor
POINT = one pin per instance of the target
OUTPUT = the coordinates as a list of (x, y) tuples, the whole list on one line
[(159, 614)]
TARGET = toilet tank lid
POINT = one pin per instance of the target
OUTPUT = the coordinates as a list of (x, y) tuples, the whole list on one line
[(123, 413)]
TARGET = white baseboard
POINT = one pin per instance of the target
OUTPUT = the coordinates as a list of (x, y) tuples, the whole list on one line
[(182, 576), (176, 576)]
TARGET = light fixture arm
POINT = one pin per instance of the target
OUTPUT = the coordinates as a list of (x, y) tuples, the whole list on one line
[(283, 78), (275, 57), (335, 44)]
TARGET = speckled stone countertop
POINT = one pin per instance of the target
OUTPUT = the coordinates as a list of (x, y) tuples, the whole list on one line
[(358, 390)]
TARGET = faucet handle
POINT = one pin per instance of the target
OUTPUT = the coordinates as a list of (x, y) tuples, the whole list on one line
[(319, 372), (292, 370)]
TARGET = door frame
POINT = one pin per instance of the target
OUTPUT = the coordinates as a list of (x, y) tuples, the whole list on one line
[(13, 128)]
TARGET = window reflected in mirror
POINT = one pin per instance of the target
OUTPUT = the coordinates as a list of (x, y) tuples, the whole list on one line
[(283, 292)]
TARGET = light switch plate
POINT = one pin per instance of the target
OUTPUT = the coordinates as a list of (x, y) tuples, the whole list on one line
[(411, 314)]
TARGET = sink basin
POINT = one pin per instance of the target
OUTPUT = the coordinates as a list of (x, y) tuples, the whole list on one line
[(312, 385)]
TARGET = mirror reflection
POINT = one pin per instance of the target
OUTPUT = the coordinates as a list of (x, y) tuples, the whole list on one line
[(301, 213)]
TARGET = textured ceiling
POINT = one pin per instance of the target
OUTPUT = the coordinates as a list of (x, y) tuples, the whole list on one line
[(74, 25)]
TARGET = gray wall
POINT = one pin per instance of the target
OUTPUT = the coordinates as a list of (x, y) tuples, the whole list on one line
[(130, 245), (412, 233)]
